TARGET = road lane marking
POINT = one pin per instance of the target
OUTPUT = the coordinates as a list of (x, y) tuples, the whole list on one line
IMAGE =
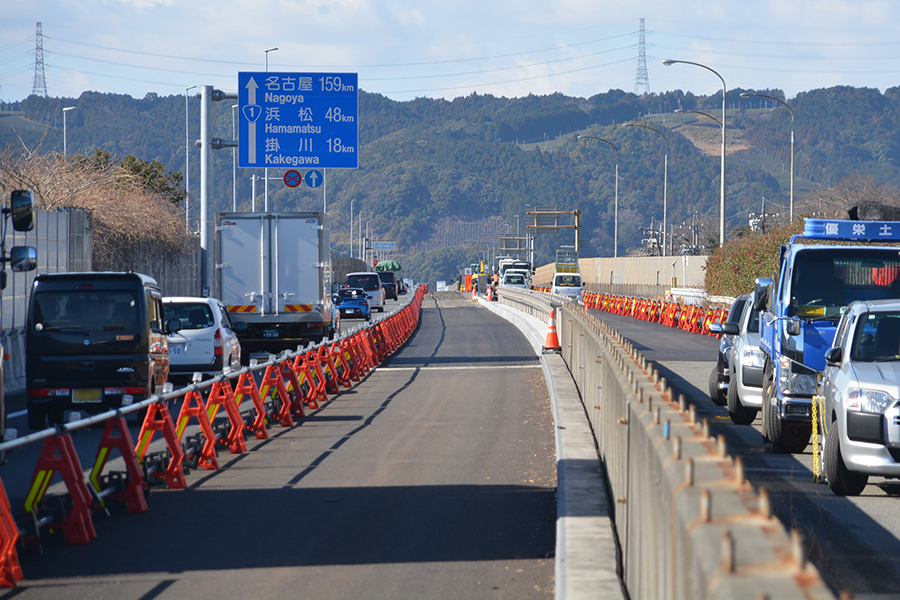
[(457, 368)]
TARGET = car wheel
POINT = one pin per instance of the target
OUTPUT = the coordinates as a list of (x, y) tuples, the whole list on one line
[(715, 394), (791, 437), (841, 480), (740, 414)]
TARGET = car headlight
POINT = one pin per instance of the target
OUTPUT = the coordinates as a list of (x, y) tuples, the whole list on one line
[(753, 358), (868, 401), (795, 378)]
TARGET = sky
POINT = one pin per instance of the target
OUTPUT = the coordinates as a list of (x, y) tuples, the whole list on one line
[(408, 49)]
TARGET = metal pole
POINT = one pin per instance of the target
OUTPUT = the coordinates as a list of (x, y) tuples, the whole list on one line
[(253, 179), (665, 235), (187, 164), (792, 171), (65, 136), (616, 228), (359, 236), (324, 193), (233, 161), (266, 170), (351, 227), (206, 270)]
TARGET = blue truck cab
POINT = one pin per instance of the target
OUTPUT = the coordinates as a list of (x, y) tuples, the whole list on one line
[(800, 311)]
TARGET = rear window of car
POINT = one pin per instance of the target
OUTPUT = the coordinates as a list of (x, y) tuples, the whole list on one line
[(96, 310), (386, 277), (352, 294), (192, 315), (514, 278), (366, 282)]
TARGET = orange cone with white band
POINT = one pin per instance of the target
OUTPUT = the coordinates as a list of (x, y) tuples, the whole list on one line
[(552, 343)]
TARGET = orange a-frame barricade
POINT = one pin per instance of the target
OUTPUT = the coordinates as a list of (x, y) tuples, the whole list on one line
[(274, 382), (221, 395), (10, 570), (160, 419), (117, 435), (294, 389), (58, 455), (247, 385), (192, 406)]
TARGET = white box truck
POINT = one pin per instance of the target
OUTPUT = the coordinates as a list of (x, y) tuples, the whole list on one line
[(274, 277)]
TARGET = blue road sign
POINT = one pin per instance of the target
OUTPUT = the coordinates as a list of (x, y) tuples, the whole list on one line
[(291, 120), (314, 178)]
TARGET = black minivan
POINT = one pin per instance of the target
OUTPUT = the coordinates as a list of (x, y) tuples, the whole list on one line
[(92, 338)]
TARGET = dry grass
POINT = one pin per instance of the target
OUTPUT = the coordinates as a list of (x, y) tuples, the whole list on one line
[(127, 221)]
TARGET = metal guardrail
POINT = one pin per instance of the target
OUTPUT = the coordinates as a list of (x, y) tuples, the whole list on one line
[(689, 524)]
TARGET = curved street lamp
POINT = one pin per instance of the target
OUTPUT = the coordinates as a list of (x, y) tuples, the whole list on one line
[(749, 95), (722, 175), (665, 234), (616, 214)]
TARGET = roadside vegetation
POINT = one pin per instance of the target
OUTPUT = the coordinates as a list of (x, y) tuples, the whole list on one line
[(132, 203)]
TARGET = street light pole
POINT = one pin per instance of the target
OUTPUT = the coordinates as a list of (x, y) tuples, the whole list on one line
[(187, 164), (233, 160), (665, 233), (266, 170), (351, 227), (785, 104), (65, 142), (722, 175), (616, 213)]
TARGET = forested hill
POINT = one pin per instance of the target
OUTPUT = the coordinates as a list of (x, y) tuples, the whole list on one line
[(442, 176)]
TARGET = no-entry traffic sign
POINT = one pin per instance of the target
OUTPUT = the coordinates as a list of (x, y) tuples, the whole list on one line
[(292, 178)]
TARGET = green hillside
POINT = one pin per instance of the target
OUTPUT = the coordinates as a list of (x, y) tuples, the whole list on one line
[(443, 178)]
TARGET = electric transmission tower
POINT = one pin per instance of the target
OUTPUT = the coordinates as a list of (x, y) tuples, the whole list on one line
[(642, 79), (40, 79)]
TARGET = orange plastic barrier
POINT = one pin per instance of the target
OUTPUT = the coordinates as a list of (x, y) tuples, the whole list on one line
[(221, 395), (58, 455), (117, 436), (160, 419), (10, 570), (192, 406)]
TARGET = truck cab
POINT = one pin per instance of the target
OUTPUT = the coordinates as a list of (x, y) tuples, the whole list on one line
[(800, 310)]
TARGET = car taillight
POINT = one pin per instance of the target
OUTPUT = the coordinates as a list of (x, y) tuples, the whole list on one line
[(218, 342), (121, 391), (48, 393)]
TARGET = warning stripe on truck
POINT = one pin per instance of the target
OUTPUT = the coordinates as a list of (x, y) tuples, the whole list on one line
[(241, 308), (298, 307)]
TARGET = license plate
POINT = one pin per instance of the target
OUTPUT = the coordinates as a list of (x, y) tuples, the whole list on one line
[(176, 348), (270, 333), (351, 310), (87, 395)]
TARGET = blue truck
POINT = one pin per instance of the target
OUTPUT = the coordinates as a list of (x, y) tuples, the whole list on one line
[(828, 266)]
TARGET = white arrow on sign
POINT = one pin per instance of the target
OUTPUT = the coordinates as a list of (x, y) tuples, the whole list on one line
[(252, 112)]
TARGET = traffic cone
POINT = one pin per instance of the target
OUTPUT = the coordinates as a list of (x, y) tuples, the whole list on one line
[(552, 343), (490, 294), (474, 293)]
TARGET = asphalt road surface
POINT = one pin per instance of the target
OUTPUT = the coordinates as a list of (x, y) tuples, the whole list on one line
[(432, 478), (852, 541)]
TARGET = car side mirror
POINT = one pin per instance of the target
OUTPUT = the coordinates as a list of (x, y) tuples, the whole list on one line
[(21, 207), (22, 258), (715, 328), (793, 326), (173, 325), (761, 293), (730, 328), (834, 356)]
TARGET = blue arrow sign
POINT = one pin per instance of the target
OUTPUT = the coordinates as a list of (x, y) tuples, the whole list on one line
[(290, 120), (314, 178)]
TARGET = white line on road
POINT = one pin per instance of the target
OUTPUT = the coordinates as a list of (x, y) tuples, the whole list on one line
[(458, 368)]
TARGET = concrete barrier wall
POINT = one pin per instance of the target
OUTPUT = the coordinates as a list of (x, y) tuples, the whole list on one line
[(658, 271), (690, 526)]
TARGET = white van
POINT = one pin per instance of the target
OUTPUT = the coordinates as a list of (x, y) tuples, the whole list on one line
[(567, 285), (370, 282)]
